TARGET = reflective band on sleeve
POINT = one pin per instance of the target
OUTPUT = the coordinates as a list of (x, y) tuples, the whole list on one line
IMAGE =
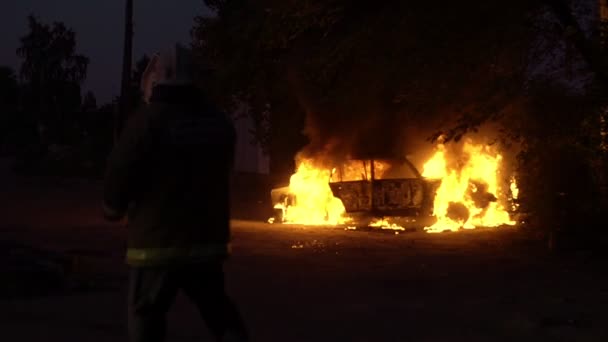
[(151, 256)]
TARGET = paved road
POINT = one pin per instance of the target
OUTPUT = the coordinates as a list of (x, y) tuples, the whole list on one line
[(323, 284)]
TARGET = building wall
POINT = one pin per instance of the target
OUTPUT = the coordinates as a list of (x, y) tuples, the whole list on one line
[(250, 157)]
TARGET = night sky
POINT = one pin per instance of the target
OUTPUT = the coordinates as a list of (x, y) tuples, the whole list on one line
[(99, 29)]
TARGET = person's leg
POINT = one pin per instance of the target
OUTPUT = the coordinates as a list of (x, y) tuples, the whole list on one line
[(204, 285), (151, 293)]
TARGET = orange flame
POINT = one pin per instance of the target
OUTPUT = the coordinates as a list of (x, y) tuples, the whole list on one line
[(315, 203), (385, 224), (469, 194)]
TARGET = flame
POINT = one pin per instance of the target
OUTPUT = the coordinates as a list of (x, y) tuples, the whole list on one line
[(514, 188), (468, 196), (385, 224), (470, 193), (357, 170), (315, 203)]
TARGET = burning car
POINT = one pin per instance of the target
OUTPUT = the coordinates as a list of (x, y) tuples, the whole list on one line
[(463, 186), (368, 189)]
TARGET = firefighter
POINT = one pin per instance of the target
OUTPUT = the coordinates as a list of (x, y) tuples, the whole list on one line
[(169, 175)]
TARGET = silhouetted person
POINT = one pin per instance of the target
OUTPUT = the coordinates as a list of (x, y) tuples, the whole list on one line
[(169, 173)]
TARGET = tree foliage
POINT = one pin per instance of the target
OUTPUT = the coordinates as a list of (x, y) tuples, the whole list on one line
[(362, 77), (49, 54), (8, 86), (562, 125), (52, 72), (9, 89), (53, 129)]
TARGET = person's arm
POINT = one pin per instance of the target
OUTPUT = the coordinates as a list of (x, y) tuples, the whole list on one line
[(123, 166)]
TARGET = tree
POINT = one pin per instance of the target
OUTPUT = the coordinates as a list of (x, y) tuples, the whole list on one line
[(563, 162), (52, 72), (352, 74), (8, 86), (8, 103), (89, 102)]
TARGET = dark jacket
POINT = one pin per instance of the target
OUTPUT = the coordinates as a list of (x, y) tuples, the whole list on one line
[(170, 171)]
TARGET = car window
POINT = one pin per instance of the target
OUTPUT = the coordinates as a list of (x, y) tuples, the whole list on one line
[(393, 170), (352, 170), (360, 170)]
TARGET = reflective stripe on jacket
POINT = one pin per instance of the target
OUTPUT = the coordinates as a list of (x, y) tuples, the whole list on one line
[(167, 255)]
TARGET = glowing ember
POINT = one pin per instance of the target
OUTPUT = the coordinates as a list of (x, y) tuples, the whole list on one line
[(514, 194), (384, 224), (514, 188), (468, 194), (315, 203)]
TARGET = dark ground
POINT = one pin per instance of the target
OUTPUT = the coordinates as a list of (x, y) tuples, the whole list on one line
[(296, 283)]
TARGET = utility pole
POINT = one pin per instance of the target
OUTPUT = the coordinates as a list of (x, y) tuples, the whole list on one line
[(603, 119), (603, 26), (127, 59)]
